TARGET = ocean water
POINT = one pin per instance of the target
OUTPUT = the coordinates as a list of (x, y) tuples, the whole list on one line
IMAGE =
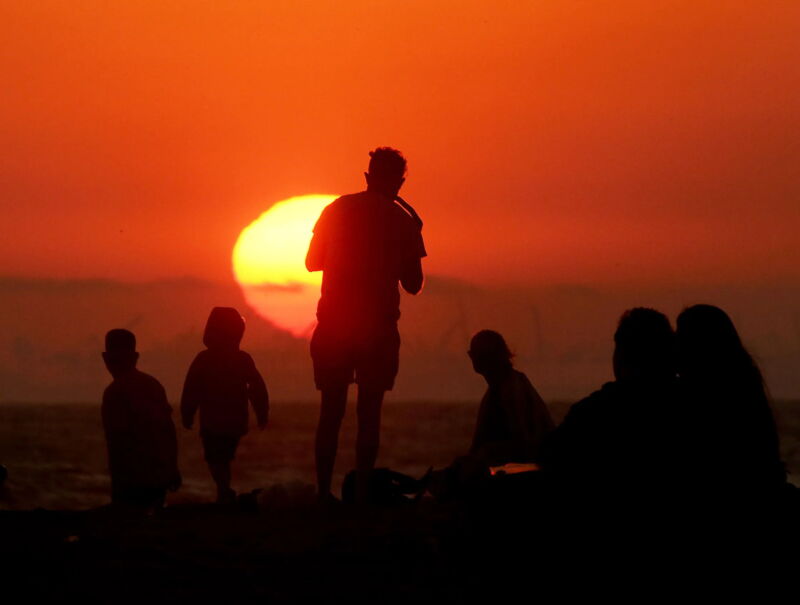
[(56, 457)]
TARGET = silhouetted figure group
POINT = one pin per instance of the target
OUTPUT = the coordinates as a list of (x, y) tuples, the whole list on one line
[(686, 420), (140, 433), (687, 412)]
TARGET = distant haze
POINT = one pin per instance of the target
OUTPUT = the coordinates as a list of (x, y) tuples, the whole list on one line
[(51, 335), (569, 159)]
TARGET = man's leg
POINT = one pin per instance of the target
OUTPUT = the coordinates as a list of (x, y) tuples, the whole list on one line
[(370, 401), (221, 473), (331, 412)]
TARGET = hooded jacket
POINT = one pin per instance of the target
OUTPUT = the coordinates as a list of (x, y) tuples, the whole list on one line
[(222, 379)]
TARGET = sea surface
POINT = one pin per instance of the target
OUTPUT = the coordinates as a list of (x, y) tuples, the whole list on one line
[(56, 458)]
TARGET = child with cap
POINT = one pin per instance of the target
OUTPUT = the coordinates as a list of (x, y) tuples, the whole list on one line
[(140, 434), (219, 383)]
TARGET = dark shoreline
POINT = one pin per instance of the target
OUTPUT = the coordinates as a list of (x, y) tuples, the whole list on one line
[(424, 552)]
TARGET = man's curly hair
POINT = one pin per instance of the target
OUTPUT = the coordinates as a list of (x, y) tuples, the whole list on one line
[(386, 162)]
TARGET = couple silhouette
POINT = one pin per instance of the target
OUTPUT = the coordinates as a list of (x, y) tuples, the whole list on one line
[(687, 417)]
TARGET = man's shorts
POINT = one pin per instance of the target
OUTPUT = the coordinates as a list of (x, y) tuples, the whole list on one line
[(370, 360), (219, 449)]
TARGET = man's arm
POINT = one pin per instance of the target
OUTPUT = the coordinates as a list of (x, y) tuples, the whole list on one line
[(412, 277), (192, 393)]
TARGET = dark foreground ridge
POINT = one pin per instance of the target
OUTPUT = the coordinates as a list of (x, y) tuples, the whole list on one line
[(428, 552)]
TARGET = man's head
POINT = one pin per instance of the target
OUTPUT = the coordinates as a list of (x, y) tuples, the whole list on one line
[(387, 171), (120, 355), (489, 353), (645, 346)]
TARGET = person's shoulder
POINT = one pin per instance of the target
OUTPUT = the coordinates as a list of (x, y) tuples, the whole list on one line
[(202, 357), (595, 401), (521, 380), (148, 381), (116, 398), (244, 357), (520, 377), (343, 203), (337, 211), (111, 392), (516, 380), (350, 198)]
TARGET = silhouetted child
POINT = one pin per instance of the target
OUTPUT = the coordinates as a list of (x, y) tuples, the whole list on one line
[(219, 384), (140, 434)]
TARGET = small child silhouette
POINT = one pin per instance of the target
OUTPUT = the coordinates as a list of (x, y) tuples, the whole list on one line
[(219, 384), (140, 434)]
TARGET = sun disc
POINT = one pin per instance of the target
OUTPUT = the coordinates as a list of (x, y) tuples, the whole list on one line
[(269, 263)]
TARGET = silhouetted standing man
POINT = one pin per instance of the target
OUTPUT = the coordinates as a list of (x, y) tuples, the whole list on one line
[(364, 244)]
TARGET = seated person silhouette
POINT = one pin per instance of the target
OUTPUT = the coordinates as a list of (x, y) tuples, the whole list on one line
[(140, 434), (219, 383), (734, 446), (512, 425), (364, 244), (513, 421), (619, 439)]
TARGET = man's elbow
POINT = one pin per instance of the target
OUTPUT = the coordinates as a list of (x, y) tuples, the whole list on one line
[(415, 289), (413, 285)]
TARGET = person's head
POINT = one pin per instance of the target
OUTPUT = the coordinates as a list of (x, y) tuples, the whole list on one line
[(489, 353), (120, 355), (709, 345), (387, 171), (644, 346), (224, 329)]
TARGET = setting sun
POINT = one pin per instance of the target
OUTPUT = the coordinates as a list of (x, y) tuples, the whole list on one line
[(269, 263)]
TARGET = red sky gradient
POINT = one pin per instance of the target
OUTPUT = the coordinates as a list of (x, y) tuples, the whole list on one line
[(547, 141)]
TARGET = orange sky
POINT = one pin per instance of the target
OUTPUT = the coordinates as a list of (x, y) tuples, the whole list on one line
[(547, 141)]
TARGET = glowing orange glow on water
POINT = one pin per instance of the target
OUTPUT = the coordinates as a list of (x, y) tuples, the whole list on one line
[(269, 263)]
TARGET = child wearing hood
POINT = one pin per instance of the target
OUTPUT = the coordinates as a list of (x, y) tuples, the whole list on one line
[(220, 382)]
